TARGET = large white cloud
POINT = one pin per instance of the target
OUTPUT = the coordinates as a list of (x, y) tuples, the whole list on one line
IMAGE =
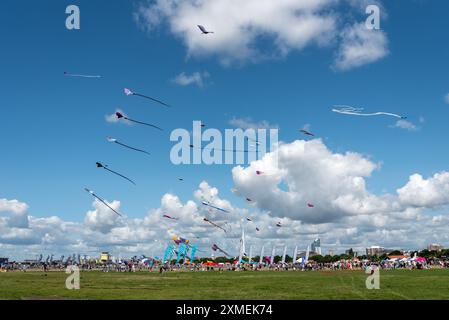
[(239, 25), (305, 172), (102, 218), (420, 192), (14, 206), (18, 212), (361, 46)]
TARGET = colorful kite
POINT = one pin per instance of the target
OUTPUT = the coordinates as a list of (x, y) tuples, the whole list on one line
[(110, 139), (179, 240), (100, 165), (121, 116), (358, 112), (130, 93), (101, 200), (215, 248), (207, 203), (80, 75)]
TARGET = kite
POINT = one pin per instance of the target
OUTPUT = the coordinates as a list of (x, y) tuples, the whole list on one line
[(169, 217), (248, 219), (179, 240), (120, 116), (307, 133), (358, 112), (130, 93), (181, 179), (262, 173), (278, 224), (80, 75), (101, 200), (110, 139), (203, 30), (249, 200), (206, 203), (257, 229), (310, 205), (100, 165), (215, 248), (214, 224)]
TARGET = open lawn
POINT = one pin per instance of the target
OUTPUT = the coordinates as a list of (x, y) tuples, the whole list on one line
[(246, 285)]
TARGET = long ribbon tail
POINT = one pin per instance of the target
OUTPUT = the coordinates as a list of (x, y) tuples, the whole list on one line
[(144, 123), (132, 148), (218, 226), (104, 202), (81, 75), (120, 175), (217, 208), (147, 97)]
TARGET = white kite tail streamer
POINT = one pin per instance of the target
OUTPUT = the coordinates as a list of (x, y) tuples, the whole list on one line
[(358, 112), (81, 75)]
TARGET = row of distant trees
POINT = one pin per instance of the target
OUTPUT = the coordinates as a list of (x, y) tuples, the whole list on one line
[(334, 258)]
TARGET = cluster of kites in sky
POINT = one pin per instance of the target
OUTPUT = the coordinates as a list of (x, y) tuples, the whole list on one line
[(207, 204)]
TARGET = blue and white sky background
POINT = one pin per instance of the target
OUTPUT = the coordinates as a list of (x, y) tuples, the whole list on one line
[(283, 64)]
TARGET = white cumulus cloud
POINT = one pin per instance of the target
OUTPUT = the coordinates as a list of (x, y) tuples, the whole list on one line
[(195, 78)]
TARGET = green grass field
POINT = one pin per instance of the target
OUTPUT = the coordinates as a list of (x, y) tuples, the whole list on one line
[(398, 284)]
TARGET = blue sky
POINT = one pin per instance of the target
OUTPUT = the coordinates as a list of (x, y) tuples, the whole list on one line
[(54, 129)]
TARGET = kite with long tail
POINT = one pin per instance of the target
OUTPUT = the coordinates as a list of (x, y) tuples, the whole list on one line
[(128, 92), (100, 165), (80, 75), (110, 139), (101, 200), (215, 248), (358, 112), (207, 204), (214, 224), (169, 217), (119, 115)]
